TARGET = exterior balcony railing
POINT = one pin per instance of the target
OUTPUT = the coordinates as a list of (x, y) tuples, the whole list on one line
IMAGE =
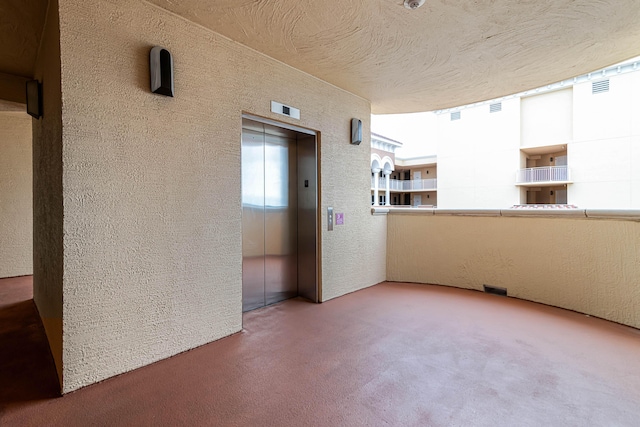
[(381, 184), (407, 185), (543, 174)]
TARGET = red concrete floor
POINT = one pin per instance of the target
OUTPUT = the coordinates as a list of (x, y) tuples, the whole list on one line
[(391, 355)]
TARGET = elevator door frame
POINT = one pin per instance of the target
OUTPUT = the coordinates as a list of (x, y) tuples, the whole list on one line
[(312, 293)]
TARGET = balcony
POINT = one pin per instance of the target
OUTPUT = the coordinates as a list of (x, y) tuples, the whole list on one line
[(543, 176), (537, 254), (406, 186), (408, 349)]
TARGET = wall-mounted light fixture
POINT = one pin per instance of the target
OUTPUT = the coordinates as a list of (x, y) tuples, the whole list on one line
[(34, 98), (356, 131), (161, 71)]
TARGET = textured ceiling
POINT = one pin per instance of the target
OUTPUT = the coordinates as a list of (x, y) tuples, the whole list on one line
[(444, 54), (21, 23), (447, 53)]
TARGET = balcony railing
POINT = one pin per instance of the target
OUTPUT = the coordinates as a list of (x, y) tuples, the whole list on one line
[(543, 174), (381, 184), (407, 185)]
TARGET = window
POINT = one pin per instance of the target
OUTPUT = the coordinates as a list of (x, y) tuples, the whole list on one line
[(455, 115)]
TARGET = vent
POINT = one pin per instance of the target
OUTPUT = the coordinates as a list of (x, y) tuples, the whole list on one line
[(495, 108), (599, 87), (455, 115), (495, 290)]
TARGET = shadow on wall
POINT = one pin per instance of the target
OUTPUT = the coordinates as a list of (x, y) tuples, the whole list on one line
[(26, 366)]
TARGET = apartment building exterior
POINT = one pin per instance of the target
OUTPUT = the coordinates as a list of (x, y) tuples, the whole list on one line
[(401, 181), (576, 142), (573, 143)]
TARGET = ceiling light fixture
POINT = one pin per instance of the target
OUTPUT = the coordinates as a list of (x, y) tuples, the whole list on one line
[(413, 4)]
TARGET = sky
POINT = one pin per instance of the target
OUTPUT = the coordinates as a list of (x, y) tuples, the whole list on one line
[(416, 131)]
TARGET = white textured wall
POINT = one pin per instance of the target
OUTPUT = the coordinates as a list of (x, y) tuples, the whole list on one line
[(16, 213), (547, 119), (587, 265), (478, 157), (605, 153), (152, 229)]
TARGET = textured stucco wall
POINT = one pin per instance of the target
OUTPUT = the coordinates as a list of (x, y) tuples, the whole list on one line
[(590, 266), (16, 216), (47, 190), (152, 228)]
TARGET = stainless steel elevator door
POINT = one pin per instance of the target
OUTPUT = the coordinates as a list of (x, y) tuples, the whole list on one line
[(279, 214), (253, 261), (281, 220)]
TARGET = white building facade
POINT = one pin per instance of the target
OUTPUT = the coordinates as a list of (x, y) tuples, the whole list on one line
[(576, 142), (401, 182)]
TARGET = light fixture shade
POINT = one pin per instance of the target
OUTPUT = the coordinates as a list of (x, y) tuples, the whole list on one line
[(161, 71), (34, 98), (356, 131)]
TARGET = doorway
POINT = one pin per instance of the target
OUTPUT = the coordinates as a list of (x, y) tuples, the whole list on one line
[(279, 213), (16, 190)]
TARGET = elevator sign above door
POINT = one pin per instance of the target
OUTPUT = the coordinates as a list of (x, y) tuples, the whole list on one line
[(285, 110)]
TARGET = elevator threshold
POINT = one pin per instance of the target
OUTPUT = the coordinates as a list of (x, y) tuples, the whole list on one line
[(273, 304)]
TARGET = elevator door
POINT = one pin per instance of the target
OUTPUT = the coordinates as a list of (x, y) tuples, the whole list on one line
[(278, 226)]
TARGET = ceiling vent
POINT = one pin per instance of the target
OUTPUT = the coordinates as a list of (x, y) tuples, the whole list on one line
[(599, 87), (455, 115), (495, 108)]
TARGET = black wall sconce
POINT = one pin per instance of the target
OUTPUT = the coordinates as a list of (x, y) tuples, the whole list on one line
[(356, 131), (34, 98), (161, 71)]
